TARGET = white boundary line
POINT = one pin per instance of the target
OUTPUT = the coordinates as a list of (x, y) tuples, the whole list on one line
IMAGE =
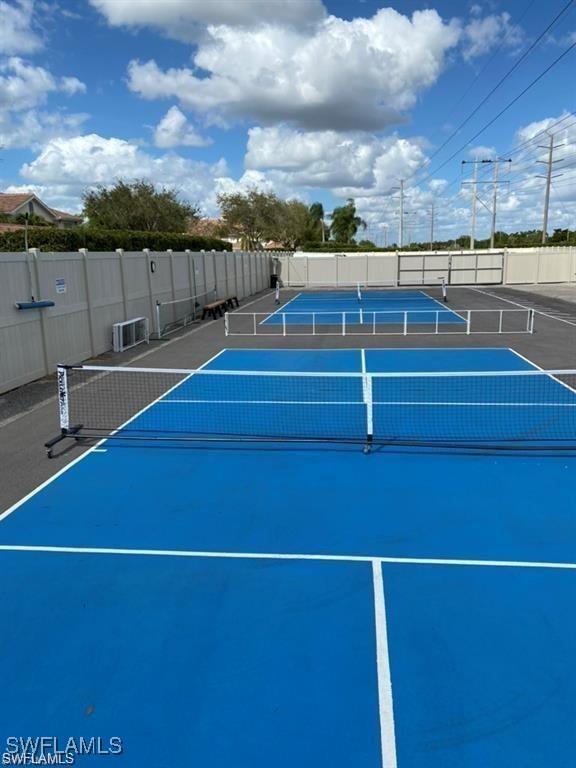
[(184, 553), (539, 368), (91, 450), (280, 309), (385, 699), (522, 306), (444, 307)]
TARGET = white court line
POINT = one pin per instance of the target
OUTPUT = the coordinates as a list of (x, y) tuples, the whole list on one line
[(280, 309), (443, 305), (539, 368), (522, 306), (95, 447), (385, 700), (185, 553)]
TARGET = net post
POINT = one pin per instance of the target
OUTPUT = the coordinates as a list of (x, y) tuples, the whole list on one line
[(531, 315), (437, 319), (500, 321), (313, 323), (343, 323), (361, 317), (63, 400), (283, 324), (368, 400), (226, 324), (255, 328), (158, 327), (373, 323), (468, 322), (405, 323)]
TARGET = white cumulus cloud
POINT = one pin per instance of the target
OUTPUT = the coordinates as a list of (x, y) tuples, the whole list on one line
[(24, 86), (185, 19), (175, 131), (67, 166), (482, 34), (345, 163), (16, 28), (342, 75)]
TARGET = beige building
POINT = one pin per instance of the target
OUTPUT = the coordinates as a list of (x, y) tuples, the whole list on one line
[(26, 202)]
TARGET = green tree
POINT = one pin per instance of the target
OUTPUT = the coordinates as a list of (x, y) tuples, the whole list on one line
[(253, 216), (137, 206), (317, 218), (294, 224), (345, 222), (366, 244)]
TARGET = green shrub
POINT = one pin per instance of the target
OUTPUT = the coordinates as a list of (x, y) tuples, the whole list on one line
[(49, 239)]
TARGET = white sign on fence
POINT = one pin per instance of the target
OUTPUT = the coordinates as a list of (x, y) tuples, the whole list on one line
[(60, 285)]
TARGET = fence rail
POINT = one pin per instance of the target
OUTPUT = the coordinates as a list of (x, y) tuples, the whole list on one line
[(361, 322)]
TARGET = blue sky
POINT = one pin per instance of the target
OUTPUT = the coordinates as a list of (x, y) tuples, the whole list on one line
[(319, 100)]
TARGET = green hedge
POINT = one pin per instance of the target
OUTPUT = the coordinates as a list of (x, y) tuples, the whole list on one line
[(107, 240), (340, 248)]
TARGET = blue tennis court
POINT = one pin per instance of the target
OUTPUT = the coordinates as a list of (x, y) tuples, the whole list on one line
[(273, 603), (364, 308)]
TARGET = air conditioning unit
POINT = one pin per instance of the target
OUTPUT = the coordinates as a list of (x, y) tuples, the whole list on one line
[(130, 333)]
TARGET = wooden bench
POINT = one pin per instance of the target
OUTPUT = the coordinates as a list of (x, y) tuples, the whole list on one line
[(215, 308), (218, 307)]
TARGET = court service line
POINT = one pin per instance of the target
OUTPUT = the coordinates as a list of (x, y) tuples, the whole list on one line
[(91, 450), (185, 553), (522, 306), (385, 699)]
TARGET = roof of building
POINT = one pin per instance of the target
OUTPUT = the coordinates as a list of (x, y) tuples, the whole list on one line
[(11, 202)]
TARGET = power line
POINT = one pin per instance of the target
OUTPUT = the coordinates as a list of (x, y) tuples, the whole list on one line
[(502, 80), (506, 108)]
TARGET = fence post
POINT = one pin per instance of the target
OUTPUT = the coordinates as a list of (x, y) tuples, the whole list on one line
[(146, 252), (40, 294), (120, 252), (84, 253), (170, 253)]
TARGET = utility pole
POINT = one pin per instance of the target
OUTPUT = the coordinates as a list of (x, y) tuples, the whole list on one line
[(496, 164), (475, 199), (550, 163), (401, 224), (432, 227)]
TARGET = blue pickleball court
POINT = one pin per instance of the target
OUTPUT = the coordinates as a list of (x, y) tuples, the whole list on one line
[(272, 602), (367, 307)]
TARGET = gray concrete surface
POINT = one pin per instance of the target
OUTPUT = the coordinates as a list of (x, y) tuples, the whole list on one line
[(33, 420)]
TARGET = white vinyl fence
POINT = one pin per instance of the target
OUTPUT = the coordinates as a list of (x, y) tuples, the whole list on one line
[(411, 268), (93, 291)]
